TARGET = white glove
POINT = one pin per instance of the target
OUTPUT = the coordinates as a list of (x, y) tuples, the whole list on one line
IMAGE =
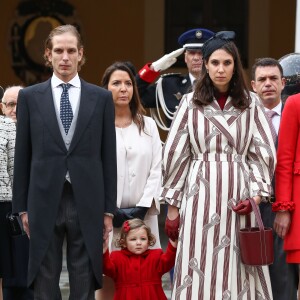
[(167, 60)]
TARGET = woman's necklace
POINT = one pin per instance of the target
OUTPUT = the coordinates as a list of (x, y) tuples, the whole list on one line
[(123, 123)]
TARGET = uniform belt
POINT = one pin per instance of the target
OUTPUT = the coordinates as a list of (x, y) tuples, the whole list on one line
[(269, 199)]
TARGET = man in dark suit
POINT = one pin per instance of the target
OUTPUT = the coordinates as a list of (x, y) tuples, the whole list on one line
[(268, 83), (171, 87), (65, 171)]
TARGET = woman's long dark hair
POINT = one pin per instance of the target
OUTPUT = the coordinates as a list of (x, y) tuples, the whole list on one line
[(135, 105), (205, 91)]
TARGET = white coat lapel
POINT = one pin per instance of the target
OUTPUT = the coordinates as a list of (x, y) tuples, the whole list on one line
[(231, 114), (215, 115)]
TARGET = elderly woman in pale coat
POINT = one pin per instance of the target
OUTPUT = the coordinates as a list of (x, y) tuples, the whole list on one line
[(7, 149), (139, 155)]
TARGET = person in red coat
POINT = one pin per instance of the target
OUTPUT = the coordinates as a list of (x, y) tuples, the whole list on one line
[(287, 179), (136, 269)]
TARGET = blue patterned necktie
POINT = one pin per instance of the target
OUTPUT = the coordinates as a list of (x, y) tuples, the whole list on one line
[(66, 113)]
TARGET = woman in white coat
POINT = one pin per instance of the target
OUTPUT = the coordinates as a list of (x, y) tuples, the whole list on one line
[(139, 155)]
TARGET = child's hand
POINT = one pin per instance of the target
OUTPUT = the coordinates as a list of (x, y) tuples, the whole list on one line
[(105, 245), (173, 243)]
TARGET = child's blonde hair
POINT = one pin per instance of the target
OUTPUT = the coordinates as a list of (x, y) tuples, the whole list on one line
[(130, 225)]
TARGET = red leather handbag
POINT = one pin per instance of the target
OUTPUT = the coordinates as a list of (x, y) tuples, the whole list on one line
[(256, 243)]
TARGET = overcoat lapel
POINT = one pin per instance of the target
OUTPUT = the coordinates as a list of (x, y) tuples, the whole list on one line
[(88, 101), (45, 104), (215, 115), (222, 119), (231, 113)]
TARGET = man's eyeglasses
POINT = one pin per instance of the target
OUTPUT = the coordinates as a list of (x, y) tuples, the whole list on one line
[(10, 105)]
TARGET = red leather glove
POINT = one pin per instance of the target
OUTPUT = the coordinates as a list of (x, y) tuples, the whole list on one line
[(172, 228), (244, 207)]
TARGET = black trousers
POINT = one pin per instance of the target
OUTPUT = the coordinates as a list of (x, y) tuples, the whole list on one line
[(17, 293), (284, 277), (15, 287), (81, 277)]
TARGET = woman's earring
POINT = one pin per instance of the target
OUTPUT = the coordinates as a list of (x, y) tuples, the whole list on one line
[(207, 71)]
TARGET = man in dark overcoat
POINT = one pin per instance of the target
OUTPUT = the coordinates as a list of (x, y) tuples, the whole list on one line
[(65, 171)]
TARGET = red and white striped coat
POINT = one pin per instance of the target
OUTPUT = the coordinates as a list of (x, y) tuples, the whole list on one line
[(211, 160)]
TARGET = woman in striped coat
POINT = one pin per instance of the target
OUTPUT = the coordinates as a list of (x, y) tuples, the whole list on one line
[(218, 153)]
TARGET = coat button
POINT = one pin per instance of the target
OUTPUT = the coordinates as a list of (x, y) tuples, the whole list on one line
[(133, 175)]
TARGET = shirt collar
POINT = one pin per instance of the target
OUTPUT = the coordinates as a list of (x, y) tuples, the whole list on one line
[(75, 81), (192, 78), (277, 108)]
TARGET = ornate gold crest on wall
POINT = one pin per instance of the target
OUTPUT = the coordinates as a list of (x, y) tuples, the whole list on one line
[(33, 22)]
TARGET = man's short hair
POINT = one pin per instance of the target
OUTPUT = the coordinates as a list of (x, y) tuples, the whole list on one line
[(266, 62)]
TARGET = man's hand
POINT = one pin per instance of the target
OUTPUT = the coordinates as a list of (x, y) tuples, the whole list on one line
[(24, 218), (257, 199), (167, 60), (108, 226), (282, 223), (105, 245)]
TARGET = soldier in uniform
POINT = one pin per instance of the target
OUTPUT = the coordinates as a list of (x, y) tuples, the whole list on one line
[(167, 92)]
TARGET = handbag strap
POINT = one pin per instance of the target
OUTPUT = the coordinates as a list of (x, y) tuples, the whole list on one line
[(257, 216)]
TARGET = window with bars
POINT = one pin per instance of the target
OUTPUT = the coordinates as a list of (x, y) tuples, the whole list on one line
[(215, 15)]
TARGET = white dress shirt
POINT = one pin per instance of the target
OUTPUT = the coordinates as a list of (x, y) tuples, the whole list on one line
[(192, 79), (74, 91)]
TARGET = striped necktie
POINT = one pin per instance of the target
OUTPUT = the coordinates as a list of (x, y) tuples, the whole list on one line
[(270, 114)]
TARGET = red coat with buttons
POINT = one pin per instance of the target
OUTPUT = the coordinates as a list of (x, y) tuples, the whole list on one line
[(288, 170), (138, 277)]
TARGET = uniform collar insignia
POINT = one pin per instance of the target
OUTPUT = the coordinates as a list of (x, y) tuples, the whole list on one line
[(178, 95)]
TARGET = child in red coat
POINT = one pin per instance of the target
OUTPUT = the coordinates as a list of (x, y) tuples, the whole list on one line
[(137, 270)]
